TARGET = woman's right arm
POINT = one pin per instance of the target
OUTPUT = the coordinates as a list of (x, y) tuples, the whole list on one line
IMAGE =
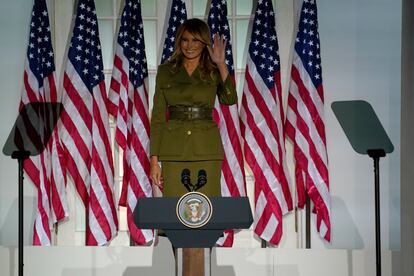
[(158, 120)]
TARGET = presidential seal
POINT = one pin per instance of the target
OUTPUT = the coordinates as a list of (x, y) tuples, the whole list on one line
[(194, 209)]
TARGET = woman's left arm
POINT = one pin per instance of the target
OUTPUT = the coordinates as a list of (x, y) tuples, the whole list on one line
[(226, 91)]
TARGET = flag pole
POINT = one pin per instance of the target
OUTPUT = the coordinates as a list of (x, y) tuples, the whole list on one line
[(308, 222)]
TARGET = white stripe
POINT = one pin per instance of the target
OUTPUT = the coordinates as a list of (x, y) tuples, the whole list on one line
[(323, 229), (140, 174), (40, 231), (58, 176), (234, 165), (261, 203), (270, 228), (96, 230), (224, 189)]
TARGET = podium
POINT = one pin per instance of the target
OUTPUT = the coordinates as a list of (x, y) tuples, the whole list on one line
[(160, 213)]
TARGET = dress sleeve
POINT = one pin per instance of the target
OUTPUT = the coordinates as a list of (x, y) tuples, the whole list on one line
[(158, 117), (226, 91)]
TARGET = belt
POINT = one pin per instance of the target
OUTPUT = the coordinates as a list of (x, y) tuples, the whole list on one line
[(187, 113)]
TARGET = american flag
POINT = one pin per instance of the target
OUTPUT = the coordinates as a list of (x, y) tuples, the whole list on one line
[(305, 119), (177, 17), (262, 126), (45, 170), (128, 103), (85, 130), (227, 117)]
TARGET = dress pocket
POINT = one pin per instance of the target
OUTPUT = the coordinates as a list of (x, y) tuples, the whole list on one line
[(207, 140), (172, 139)]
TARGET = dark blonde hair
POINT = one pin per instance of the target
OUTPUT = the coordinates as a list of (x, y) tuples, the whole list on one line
[(200, 30)]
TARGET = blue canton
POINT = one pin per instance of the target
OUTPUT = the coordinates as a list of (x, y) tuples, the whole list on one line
[(264, 47), (218, 23), (85, 48), (307, 41), (40, 52), (131, 38), (177, 17)]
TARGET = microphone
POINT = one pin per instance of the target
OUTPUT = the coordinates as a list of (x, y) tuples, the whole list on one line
[(202, 179), (186, 179)]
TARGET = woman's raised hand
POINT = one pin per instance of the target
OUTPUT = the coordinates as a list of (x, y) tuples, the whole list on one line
[(217, 51)]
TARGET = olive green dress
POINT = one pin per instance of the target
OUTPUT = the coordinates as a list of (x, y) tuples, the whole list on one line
[(188, 144)]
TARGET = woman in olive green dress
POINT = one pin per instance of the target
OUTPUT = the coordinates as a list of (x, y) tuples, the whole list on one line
[(184, 137)]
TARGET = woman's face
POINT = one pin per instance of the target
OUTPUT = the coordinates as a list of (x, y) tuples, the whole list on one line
[(191, 47)]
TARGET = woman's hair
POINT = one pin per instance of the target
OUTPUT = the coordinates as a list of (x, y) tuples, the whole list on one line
[(200, 30)]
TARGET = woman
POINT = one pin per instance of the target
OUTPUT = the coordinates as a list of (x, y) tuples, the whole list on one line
[(184, 138)]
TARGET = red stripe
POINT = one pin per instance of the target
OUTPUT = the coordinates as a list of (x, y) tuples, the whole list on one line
[(125, 183), (309, 103), (32, 171), (79, 141), (99, 214), (135, 232), (261, 104), (102, 126), (90, 239), (228, 176), (61, 164), (77, 100), (52, 88), (77, 179), (141, 153), (36, 239), (40, 194), (31, 95), (140, 108)]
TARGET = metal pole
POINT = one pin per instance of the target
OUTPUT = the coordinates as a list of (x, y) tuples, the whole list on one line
[(377, 216), (308, 223), (20, 156), (375, 154), (20, 200)]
